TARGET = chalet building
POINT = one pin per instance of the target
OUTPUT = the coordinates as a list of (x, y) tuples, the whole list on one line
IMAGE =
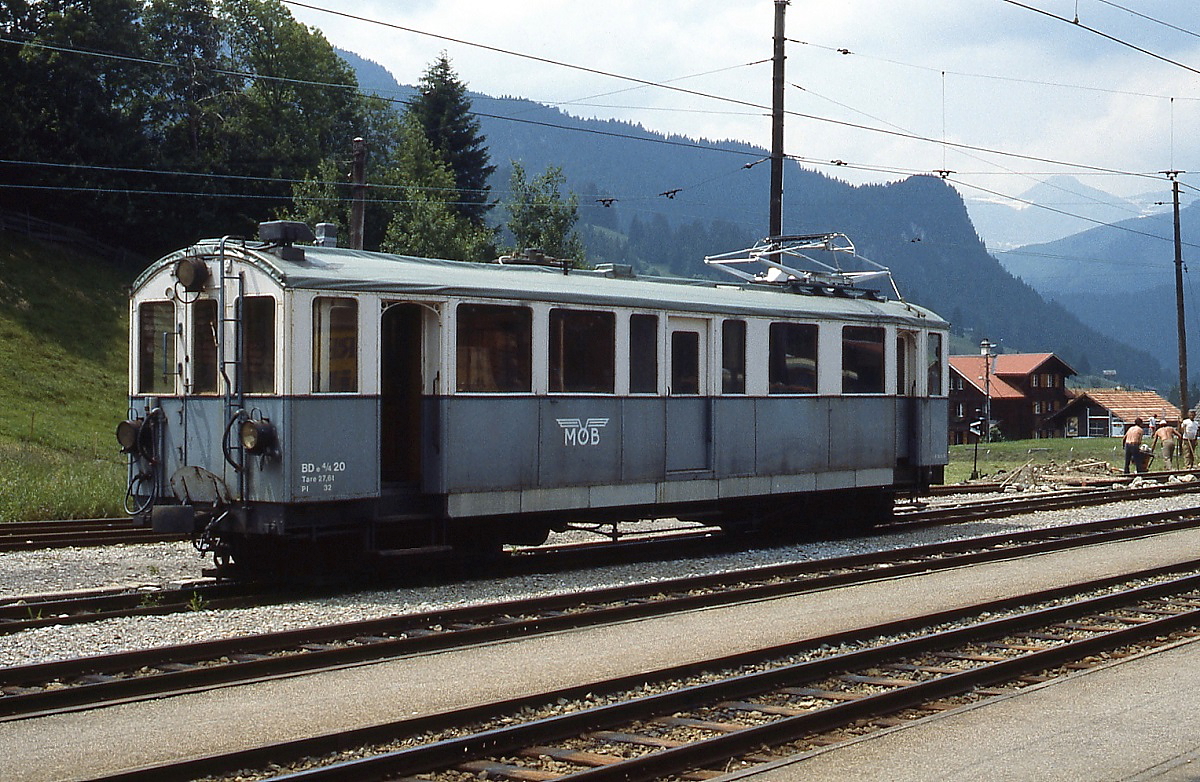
[(1027, 391), (1107, 413)]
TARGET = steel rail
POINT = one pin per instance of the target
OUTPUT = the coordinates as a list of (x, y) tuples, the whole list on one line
[(34, 535), (27, 612)]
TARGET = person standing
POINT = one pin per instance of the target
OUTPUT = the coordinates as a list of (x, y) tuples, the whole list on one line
[(1168, 435), (1190, 427), (1133, 445)]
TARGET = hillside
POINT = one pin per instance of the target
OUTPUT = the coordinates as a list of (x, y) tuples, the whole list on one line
[(63, 347)]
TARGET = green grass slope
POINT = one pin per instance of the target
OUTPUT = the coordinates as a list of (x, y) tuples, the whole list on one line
[(63, 348)]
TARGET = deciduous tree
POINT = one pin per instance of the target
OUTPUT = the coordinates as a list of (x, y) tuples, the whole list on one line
[(540, 216)]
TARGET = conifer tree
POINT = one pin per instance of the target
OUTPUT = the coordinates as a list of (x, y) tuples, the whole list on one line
[(444, 111)]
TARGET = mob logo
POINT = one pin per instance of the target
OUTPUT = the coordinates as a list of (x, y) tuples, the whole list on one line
[(577, 432)]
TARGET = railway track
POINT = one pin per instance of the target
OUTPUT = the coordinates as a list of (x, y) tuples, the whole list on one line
[(33, 535), (704, 719), (86, 682), (916, 514), (25, 612)]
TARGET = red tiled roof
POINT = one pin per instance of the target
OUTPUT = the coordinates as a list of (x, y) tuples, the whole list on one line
[(1128, 405), (1020, 363), (972, 370)]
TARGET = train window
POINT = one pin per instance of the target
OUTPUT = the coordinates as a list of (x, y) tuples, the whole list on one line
[(258, 344), (792, 358), (156, 348), (862, 360), (204, 347), (643, 354), (582, 348), (335, 345), (935, 365), (733, 357), (495, 348), (685, 362)]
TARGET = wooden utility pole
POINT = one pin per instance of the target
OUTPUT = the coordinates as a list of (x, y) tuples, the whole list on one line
[(777, 84), (358, 194), (1184, 404)]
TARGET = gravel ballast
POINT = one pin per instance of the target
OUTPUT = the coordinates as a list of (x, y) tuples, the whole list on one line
[(157, 564)]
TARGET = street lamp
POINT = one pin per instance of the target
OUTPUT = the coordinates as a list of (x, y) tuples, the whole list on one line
[(985, 350)]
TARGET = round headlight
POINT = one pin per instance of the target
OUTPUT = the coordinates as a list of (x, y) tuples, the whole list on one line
[(257, 436), (128, 433), (192, 273)]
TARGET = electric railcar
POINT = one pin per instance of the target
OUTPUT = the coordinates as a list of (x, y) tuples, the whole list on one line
[(291, 401)]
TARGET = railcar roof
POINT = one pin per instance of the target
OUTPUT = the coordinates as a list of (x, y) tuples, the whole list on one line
[(341, 269)]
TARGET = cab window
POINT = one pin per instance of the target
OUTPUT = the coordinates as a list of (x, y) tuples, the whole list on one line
[(258, 344), (792, 357), (204, 347), (733, 357), (156, 348), (494, 348), (582, 351), (935, 364), (335, 345), (862, 360), (643, 354)]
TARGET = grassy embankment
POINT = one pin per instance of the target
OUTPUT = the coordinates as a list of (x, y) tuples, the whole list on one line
[(994, 457), (63, 347)]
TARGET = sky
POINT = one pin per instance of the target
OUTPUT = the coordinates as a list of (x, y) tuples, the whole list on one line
[(989, 74)]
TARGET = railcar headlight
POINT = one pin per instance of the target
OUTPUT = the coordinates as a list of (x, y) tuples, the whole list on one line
[(128, 433), (192, 273), (257, 436)]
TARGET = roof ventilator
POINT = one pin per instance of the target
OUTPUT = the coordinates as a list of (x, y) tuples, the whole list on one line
[(280, 236), (809, 264), (534, 256)]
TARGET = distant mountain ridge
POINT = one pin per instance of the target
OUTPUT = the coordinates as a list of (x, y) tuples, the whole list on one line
[(1057, 207), (1120, 280), (663, 202)]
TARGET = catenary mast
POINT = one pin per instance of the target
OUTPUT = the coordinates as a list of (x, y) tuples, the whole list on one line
[(777, 84)]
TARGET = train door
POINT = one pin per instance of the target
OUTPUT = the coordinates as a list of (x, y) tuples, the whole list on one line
[(401, 339), (688, 433)]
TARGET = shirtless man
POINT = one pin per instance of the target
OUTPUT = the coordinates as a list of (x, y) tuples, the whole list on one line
[(1133, 446)]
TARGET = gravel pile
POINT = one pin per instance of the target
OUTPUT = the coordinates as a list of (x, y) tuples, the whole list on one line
[(157, 564)]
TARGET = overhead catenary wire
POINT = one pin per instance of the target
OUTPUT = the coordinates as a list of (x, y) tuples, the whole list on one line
[(990, 76), (1149, 18), (1102, 34)]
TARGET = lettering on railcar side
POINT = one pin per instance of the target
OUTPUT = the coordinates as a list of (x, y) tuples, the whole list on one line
[(581, 432), (323, 474)]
